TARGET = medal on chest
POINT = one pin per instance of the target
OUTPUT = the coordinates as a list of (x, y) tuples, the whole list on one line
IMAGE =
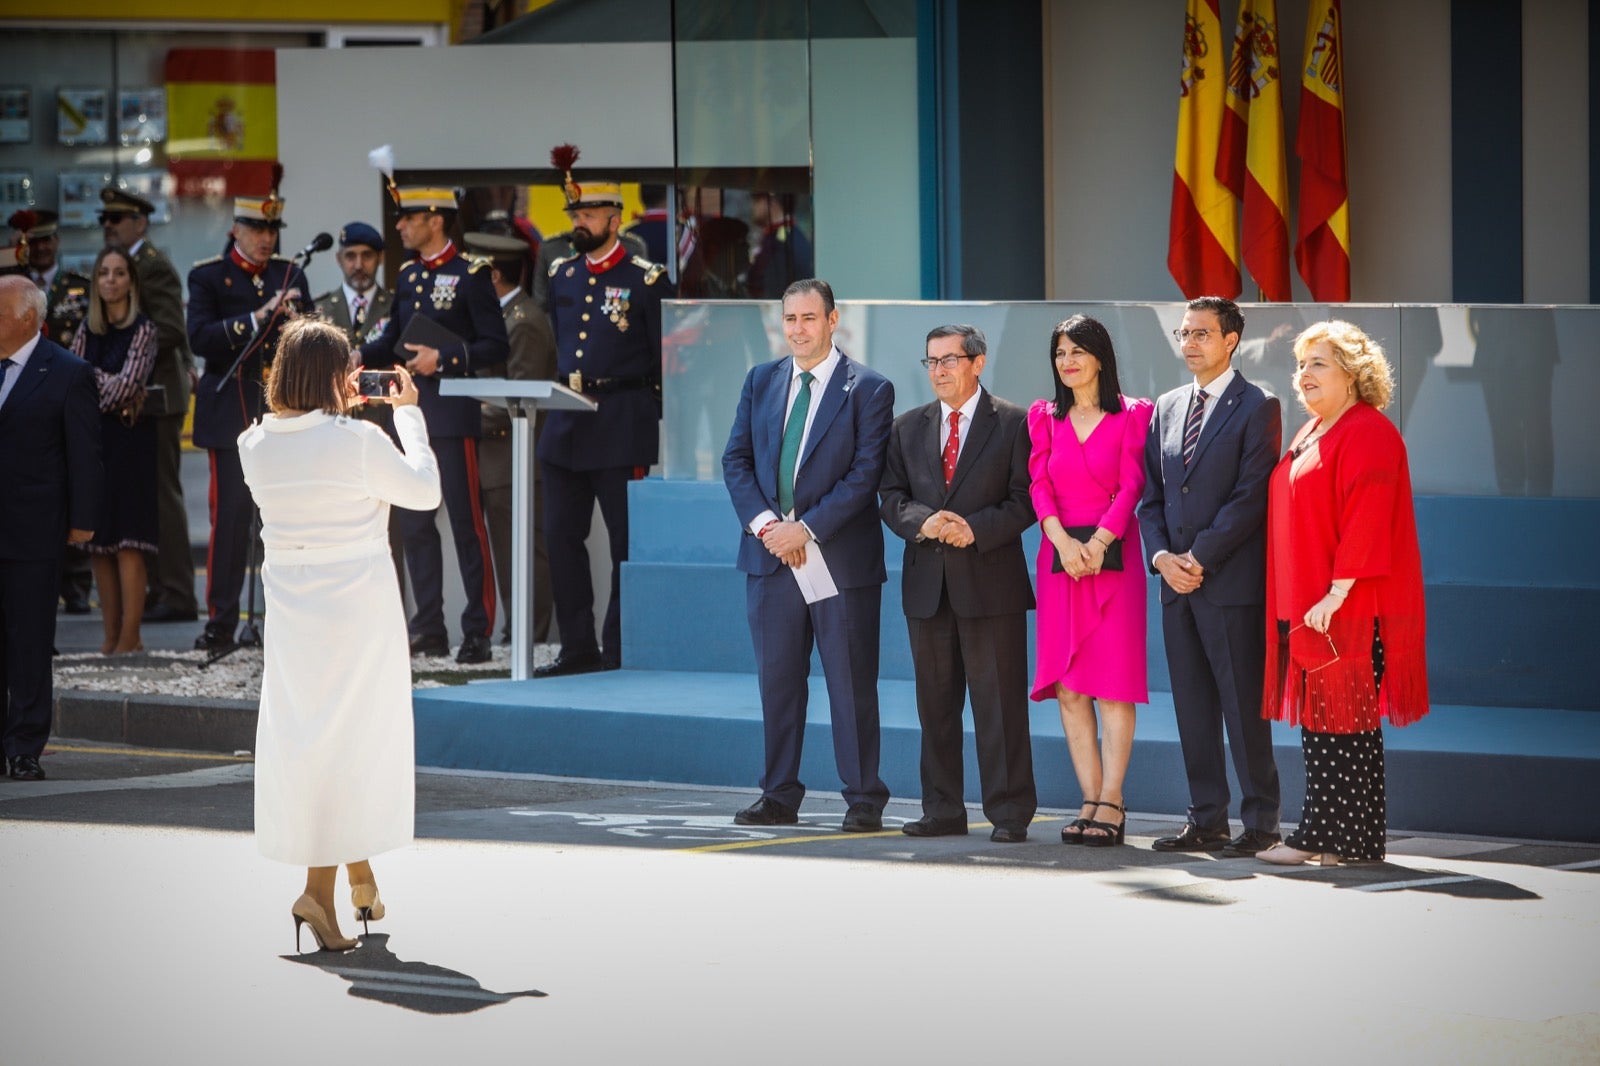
[(616, 307), (261, 286), (444, 291)]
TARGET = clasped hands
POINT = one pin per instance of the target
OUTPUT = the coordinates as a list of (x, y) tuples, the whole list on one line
[(787, 540), (1079, 558), (949, 527), (1182, 572)]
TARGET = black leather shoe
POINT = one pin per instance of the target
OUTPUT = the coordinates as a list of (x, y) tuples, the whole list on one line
[(862, 818), (1193, 838), (474, 649), (214, 638), (76, 604), (1249, 842), (160, 612), (766, 811), (1005, 835), (434, 647), (935, 827), (586, 663), (26, 768)]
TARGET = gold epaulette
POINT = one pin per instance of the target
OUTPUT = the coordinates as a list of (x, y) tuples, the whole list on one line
[(652, 271), (559, 263), (206, 262), (476, 263)]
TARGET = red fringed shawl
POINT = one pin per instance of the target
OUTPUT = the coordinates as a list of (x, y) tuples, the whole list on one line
[(1343, 509)]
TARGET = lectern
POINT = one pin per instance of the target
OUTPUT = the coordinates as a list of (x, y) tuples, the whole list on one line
[(524, 399)]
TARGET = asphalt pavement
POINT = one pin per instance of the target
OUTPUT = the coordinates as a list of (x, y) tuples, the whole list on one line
[(540, 919)]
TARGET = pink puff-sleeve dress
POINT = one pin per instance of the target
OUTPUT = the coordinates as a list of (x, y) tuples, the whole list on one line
[(1091, 631)]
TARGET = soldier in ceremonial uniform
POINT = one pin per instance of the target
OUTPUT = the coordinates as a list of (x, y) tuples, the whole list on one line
[(532, 358), (125, 221), (66, 295), (442, 285), (559, 246), (360, 306), (238, 303), (606, 310)]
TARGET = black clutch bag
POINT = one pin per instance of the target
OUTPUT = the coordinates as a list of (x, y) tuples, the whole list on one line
[(1112, 561)]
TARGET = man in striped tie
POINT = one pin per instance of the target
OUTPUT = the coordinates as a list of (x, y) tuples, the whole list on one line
[(1210, 453)]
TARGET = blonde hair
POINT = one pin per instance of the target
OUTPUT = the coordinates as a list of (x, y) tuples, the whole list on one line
[(98, 323), (313, 356), (1357, 354)]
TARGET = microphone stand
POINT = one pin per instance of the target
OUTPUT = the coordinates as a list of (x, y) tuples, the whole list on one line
[(250, 634)]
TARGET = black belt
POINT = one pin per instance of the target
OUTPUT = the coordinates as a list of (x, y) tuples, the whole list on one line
[(602, 386)]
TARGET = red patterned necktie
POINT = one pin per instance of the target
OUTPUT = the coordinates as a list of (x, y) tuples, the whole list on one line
[(1191, 428), (952, 448)]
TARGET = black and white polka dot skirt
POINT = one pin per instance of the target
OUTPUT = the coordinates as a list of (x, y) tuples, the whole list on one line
[(1345, 802)]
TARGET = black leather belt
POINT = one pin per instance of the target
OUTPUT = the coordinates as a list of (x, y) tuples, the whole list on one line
[(602, 386)]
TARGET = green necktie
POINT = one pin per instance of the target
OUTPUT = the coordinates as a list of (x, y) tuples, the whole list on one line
[(793, 431)]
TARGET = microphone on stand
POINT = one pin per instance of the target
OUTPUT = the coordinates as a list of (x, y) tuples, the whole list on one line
[(320, 243)]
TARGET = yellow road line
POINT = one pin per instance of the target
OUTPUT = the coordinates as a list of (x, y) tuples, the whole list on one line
[(740, 845), (156, 753)]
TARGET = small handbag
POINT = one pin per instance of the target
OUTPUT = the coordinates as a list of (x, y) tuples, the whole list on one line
[(1112, 561)]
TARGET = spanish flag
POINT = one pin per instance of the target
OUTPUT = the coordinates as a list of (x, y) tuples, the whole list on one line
[(1322, 245), (222, 118), (1203, 242), (1250, 161)]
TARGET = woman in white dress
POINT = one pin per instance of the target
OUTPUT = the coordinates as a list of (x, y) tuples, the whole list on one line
[(334, 758)]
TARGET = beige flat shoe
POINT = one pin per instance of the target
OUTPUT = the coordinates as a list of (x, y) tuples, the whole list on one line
[(1284, 855)]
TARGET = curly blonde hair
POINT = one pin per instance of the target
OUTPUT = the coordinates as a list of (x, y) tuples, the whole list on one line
[(1357, 354)]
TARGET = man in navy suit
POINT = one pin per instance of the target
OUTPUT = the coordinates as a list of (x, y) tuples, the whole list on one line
[(802, 467), (50, 483), (1210, 453)]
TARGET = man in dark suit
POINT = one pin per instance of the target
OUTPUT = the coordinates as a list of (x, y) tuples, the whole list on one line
[(532, 358), (238, 304), (125, 222), (605, 308), (1210, 453), (955, 488), (50, 483), (802, 467), (443, 285)]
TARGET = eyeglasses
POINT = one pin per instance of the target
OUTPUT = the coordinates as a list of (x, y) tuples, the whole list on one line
[(948, 362), (111, 218), (1334, 651), (1199, 336)]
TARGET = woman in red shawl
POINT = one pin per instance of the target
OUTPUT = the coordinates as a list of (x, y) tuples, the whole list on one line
[(1344, 588)]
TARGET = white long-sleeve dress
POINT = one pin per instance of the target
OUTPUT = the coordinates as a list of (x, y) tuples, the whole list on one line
[(335, 759)]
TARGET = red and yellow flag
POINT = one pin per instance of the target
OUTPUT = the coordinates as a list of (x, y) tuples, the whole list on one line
[(222, 117), (1250, 158), (1322, 244), (1203, 241)]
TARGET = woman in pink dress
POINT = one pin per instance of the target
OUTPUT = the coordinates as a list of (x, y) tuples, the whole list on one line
[(1087, 471)]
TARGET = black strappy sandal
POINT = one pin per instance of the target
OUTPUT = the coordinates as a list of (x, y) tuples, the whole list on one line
[(1072, 832), (1113, 834)]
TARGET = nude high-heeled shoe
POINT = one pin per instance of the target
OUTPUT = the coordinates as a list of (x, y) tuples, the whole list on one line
[(308, 911), (367, 904)]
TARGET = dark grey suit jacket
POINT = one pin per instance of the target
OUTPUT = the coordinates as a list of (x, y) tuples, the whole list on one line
[(1215, 507), (989, 490)]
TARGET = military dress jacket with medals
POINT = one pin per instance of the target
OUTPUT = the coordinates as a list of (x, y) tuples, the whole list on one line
[(66, 306), (455, 292), (224, 294), (332, 306), (607, 321)]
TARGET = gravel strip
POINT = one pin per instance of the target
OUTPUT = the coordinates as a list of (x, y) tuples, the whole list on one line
[(238, 675)]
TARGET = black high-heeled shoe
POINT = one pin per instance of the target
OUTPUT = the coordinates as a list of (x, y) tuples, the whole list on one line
[(1072, 832), (1109, 834)]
